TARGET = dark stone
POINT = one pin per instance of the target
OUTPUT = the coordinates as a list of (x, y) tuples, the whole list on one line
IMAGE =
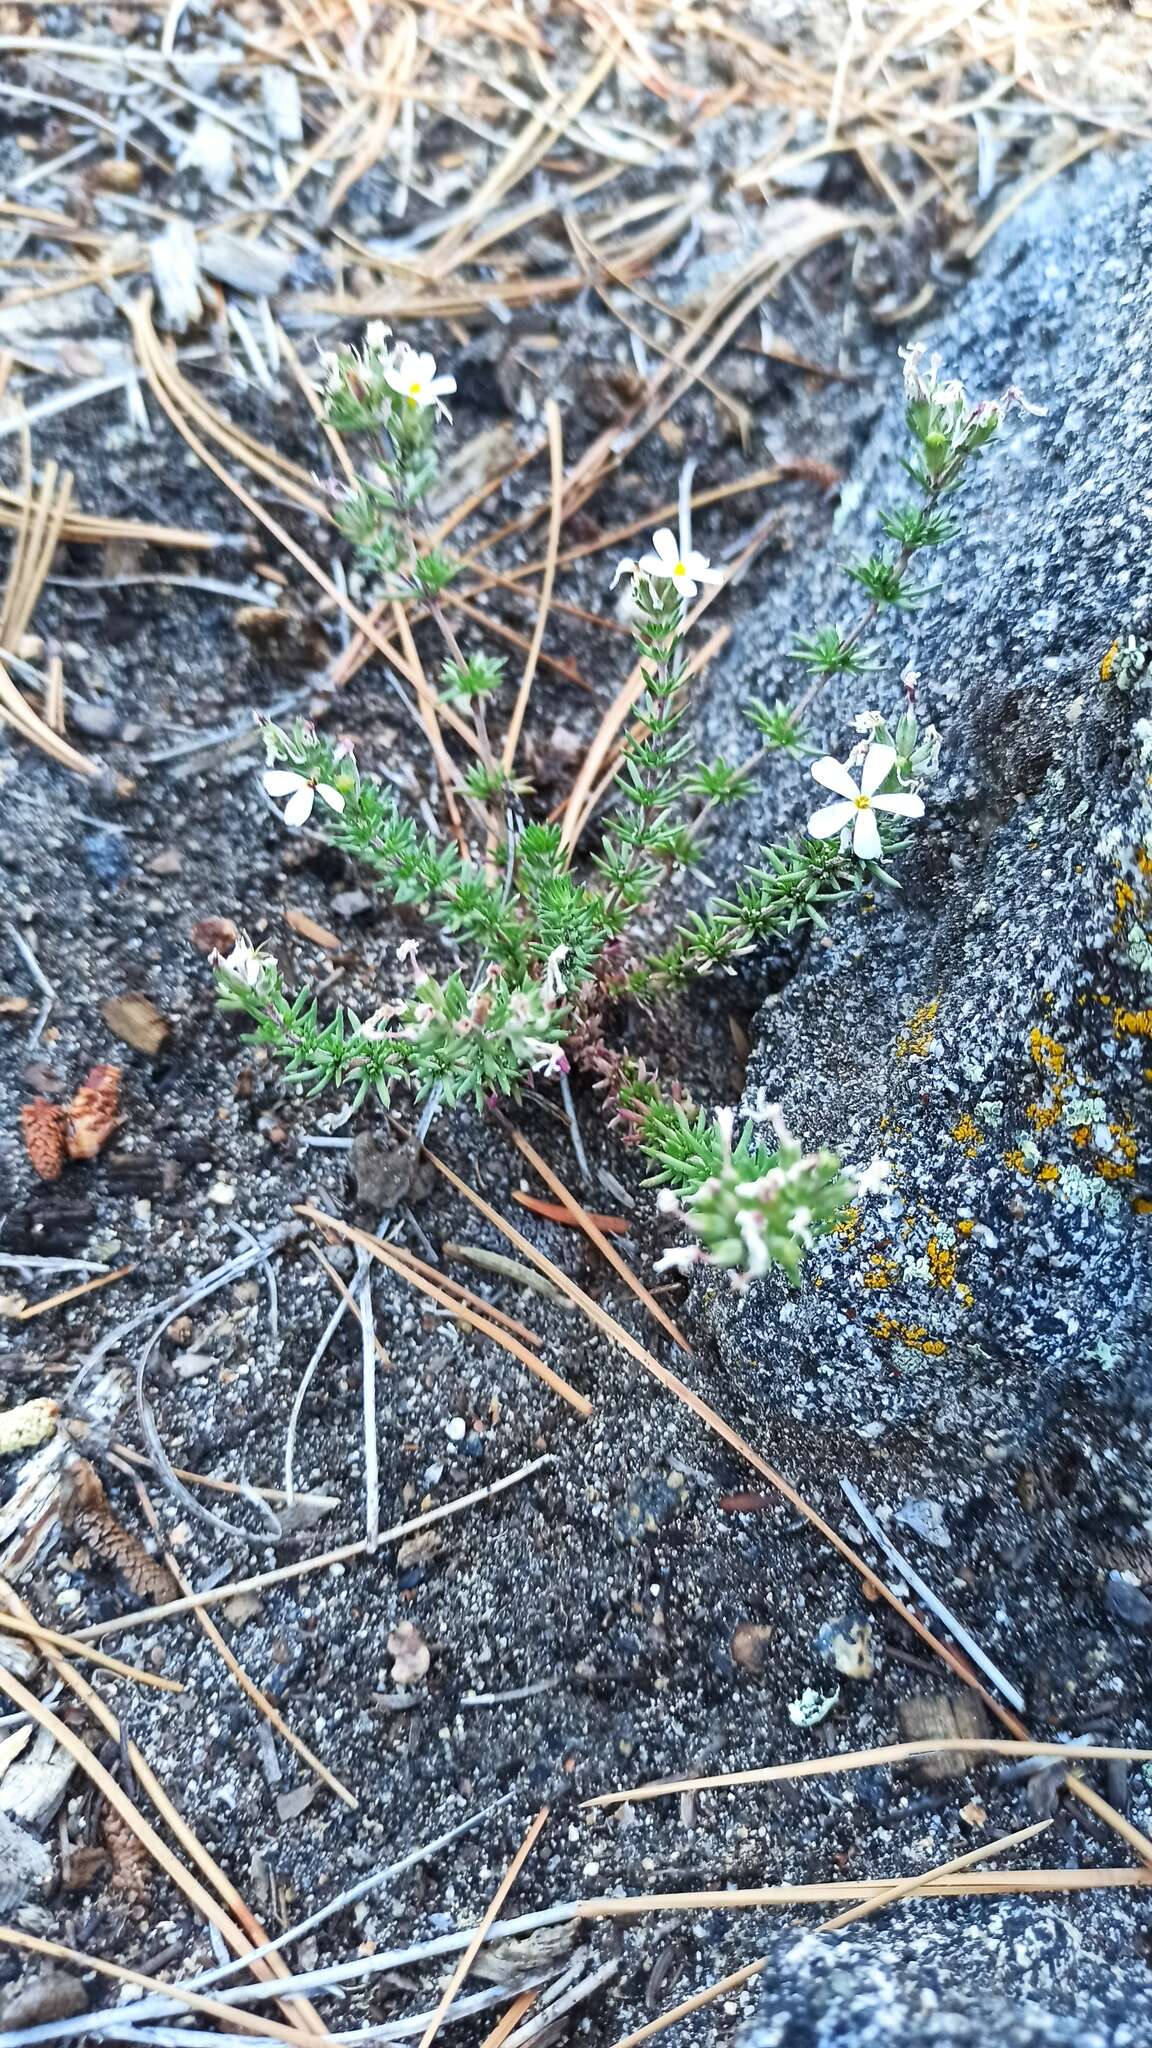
[(1021, 1975), (986, 1027), (1126, 1602)]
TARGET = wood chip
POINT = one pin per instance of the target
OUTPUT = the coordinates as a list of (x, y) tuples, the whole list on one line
[(943, 1714), (137, 1021), (306, 927)]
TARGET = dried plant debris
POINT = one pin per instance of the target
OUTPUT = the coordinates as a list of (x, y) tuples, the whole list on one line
[(92, 1113), (44, 1129), (85, 1510), (129, 1861), (25, 1866), (56, 1132), (28, 1424)]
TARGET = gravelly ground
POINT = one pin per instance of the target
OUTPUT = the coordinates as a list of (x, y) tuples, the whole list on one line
[(628, 1616)]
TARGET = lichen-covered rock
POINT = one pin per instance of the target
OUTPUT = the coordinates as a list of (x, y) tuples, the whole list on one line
[(1022, 1975), (988, 1029)]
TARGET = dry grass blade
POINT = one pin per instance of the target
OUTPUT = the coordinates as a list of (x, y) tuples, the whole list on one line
[(91, 528), (435, 1292), (1027, 186), (706, 1414), (474, 1946), (458, 1290), (39, 524), (248, 1685), (41, 1308), (846, 1890), (35, 1632), (157, 1848), (556, 454), (886, 1895), (120, 1973), (215, 1596), (511, 2020), (865, 1759), (603, 1244), (903, 1887), (154, 362)]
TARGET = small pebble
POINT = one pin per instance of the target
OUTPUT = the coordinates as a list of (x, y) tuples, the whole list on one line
[(1126, 1603)]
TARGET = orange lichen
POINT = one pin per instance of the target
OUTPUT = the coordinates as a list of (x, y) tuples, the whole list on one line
[(881, 1272), (915, 1041), (1123, 1144), (848, 1228), (1133, 1023), (941, 1262), (1048, 1173), (1016, 1160), (913, 1335), (967, 1133), (965, 1226)]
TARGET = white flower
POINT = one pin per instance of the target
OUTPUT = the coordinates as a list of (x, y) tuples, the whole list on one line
[(675, 561), (552, 982), (873, 1179), (301, 792), (412, 375), (376, 338), (681, 1258), (857, 809), (244, 963)]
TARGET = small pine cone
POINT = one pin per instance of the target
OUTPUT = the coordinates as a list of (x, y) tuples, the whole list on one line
[(45, 1132), (131, 1868), (91, 1114)]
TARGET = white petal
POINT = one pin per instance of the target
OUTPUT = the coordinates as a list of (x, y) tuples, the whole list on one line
[(299, 807), (625, 567), (832, 774), (878, 765), (866, 836), (904, 802), (332, 797), (826, 823), (666, 547), (283, 782), (685, 586), (441, 386)]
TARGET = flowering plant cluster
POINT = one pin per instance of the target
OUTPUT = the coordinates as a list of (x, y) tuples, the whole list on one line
[(552, 947)]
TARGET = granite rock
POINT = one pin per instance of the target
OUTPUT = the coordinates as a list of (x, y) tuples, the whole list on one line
[(1022, 1975), (988, 1028)]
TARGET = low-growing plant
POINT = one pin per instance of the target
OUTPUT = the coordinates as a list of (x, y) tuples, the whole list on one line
[(550, 945)]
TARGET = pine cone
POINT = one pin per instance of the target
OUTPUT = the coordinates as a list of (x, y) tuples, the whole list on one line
[(45, 1132), (91, 1114)]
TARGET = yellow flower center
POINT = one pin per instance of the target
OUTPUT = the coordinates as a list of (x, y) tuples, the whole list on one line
[(413, 391), (679, 570), (863, 803)]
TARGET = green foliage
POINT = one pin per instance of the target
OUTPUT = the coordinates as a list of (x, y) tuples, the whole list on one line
[(750, 1206), (833, 653), (442, 1036), (478, 675), (884, 582), (780, 728), (718, 782), (550, 948)]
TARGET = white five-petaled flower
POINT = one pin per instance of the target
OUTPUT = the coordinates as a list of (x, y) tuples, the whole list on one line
[(301, 792), (673, 560), (412, 375), (245, 962), (856, 811)]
